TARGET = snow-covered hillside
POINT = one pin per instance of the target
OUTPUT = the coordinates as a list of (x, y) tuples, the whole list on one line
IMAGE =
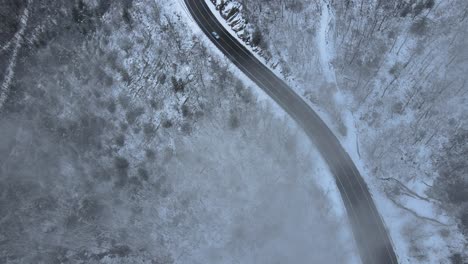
[(389, 77), (126, 139)]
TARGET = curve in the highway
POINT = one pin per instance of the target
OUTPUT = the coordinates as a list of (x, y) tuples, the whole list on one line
[(369, 231)]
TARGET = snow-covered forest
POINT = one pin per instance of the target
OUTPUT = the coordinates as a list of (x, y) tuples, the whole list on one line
[(125, 137), (390, 78)]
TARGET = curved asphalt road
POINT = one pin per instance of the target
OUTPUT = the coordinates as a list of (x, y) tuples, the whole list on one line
[(369, 231)]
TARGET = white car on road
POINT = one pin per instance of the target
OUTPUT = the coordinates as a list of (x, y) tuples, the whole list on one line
[(215, 35)]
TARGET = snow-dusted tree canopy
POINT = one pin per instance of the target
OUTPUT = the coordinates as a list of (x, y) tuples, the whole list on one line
[(126, 137)]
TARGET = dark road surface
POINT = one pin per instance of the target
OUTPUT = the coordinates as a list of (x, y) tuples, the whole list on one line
[(368, 228)]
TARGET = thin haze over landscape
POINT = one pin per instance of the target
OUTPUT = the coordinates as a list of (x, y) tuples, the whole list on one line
[(233, 131)]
